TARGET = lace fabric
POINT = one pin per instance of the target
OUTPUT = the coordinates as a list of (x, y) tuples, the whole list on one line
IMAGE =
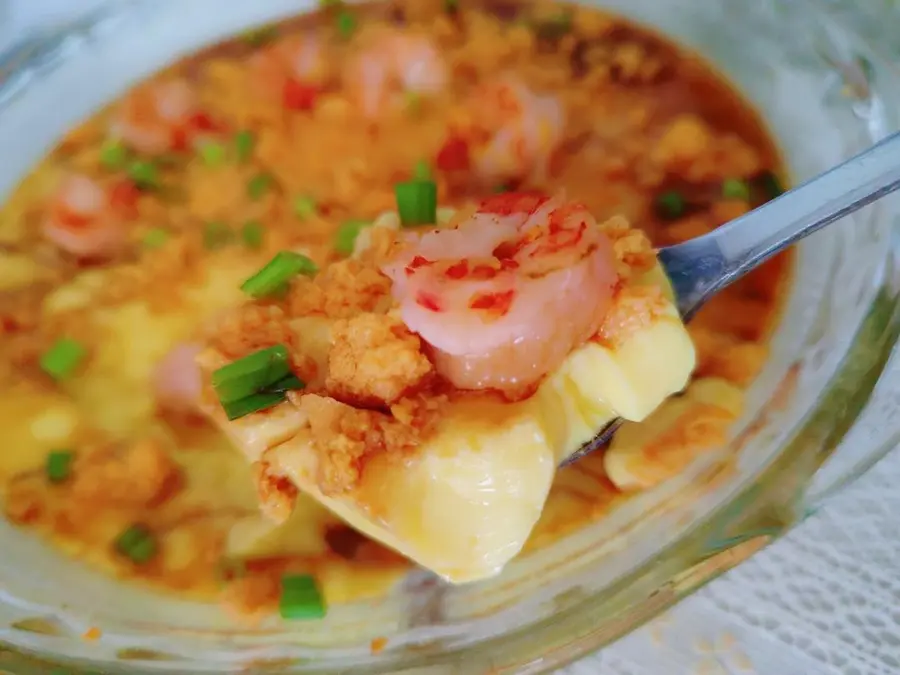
[(824, 600)]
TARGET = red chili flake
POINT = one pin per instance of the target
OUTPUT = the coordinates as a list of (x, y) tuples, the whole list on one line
[(416, 263), (458, 270), (509, 203), (495, 303), (298, 96), (180, 139), (453, 155), (203, 122), (429, 301), (123, 197)]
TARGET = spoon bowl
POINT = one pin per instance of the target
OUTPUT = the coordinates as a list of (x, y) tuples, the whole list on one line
[(701, 267)]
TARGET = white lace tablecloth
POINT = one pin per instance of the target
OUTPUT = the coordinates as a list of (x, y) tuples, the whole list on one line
[(825, 600)]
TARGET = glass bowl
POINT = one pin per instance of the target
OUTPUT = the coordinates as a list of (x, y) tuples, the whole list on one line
[(817, 417)]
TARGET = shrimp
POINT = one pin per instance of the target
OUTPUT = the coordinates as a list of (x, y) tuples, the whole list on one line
[(177, 383), (510, 133), (396, 64), (293, 71), (160, 117), (88, 219), (505, 295)]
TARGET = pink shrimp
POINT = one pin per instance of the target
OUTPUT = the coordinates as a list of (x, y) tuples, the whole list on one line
[(508, 293), (87, 219), (160, 117), (511, 133), (177, 382), (397, 64), (293, 71)]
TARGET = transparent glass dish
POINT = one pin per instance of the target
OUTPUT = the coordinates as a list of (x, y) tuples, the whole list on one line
[(820, 414)]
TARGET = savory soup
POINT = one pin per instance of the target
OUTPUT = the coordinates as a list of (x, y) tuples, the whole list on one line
[(283, 165)]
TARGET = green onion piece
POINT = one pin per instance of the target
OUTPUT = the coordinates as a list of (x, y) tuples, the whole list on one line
[(277, 273), (345, 237), (251, 374), (257, 37), (413, 101), (113, 155), (259, 185), (554, 27), (500, 189), (244, 142), (771, 185), (304, 206), (251, 404), (416, 202), (252, 234), (59, 465), (155, 237), (300, 598), (216, 235), (61, 360), (144, 174), (287, 383), (212, 153), (670, 205), (422, 170), (451, 6), (137, 543), (346, 24), (735, 188)]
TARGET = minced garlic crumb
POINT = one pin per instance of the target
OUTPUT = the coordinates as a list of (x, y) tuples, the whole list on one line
[(341, 290), (374, 360), (344, 437), (142, 474)]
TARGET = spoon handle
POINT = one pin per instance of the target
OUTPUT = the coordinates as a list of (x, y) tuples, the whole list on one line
[(703, 266)]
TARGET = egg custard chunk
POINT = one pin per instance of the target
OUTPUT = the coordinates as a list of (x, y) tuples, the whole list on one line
[(426, 388)]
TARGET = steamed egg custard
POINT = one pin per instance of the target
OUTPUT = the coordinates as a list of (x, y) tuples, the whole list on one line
[(433, 413), (337, 297)]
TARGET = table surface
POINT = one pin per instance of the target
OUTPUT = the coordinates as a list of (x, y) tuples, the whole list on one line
[(824, 600)]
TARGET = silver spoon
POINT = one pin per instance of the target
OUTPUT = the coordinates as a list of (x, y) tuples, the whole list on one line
[(701, 267)]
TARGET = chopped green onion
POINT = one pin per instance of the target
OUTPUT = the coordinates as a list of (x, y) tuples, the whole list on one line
[(257, 37), (61, 360), (277, 273), (304, 206), (251, 374), (252, 234), (287, 383), (212, 153), (259, 185), (137, 543), (422, 170), (251, 404), (300, 598), (144, 174), (155, 237), (500, 189), (113, 155), (244, 142), (670, 205), (346, 24), (216, 235), (451, 6), (345, 237), (413, 100), (554, 27), (771, 185), (416, 202), (59, 465), (735, 188)]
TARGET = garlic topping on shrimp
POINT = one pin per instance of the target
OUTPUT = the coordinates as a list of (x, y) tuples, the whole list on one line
[(89, 220), (292, 71), (395, 65), (159, 117), (505, 295), (508, 132)]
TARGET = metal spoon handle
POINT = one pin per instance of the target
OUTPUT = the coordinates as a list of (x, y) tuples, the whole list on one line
[(701, 267)]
